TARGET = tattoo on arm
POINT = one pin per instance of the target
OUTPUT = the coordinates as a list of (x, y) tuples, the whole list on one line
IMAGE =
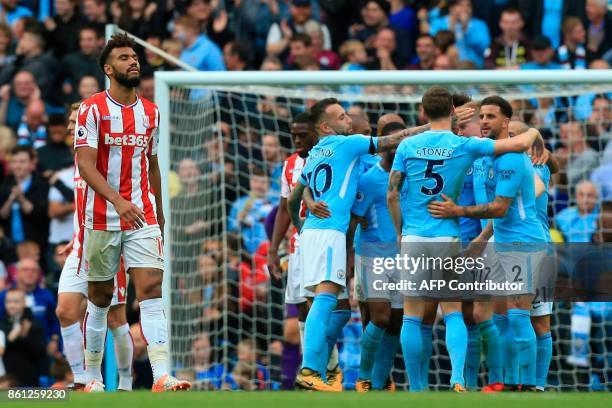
[(393, 140), (396, 179), (496, 209)]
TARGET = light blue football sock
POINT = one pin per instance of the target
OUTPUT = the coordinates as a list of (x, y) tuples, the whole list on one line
[(472, 358), (427, 341), (525, 344), (370, 339), (336, 323), (412, 348), (545, 344), (456, 344), (315, 329), (492, 350), (384, 359)]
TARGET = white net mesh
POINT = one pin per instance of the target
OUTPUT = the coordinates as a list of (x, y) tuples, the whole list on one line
[(228, 316)]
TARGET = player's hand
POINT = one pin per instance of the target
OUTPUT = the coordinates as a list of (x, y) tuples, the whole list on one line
[(274, 263), (220, 22), (67, 248), (149, 10), (444, 209), (130, 213), (50, 24), (542, 159), (319, 209), (463, 115), (475, 248), (285, 29), (350, 265)]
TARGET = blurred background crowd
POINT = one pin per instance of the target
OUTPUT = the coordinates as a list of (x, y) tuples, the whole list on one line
[(48, 59)]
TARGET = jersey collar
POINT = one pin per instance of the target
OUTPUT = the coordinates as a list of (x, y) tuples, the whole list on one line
[(120, 104)]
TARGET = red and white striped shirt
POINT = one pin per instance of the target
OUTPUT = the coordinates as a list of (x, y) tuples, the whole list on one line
[(79, 211), (124, 136), (292, 170)]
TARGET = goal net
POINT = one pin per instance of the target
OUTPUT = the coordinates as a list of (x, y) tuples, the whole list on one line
[(224, 140)]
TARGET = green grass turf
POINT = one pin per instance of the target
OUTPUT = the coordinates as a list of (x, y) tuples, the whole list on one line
[(316, 400)]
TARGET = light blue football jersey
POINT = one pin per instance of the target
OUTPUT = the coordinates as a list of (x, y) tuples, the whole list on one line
[(435, 163), (331, 172), (470, 227), (542, 201), (515, 178), (484, 183), (371, 203), (366, 162)]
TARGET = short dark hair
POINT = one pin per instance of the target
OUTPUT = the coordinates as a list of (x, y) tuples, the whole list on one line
[(301, 37), (91, 27), (426, 35), (460, 99), (116, 41), (24, 149), (392, 127), (302, 118), (496, 100), (56, 120), (240, 49), (318, 110), (258, 171), (512, 10), (437, 103)]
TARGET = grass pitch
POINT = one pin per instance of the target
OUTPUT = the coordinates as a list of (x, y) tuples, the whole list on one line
[(316, 400)]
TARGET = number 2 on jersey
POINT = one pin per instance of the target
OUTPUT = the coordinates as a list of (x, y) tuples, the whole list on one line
[(429, 174)]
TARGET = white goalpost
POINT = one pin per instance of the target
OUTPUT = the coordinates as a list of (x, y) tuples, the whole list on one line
[(211, 130)]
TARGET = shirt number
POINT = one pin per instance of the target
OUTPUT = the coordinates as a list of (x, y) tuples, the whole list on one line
[(429, 174), (321, 168)]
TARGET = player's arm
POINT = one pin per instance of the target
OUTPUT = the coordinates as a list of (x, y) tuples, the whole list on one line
[(520, 143), (386, 143), (86, 160), (396, 180), (540, 187), (553, 164), (350, 241), (478, 244), (281, 225), (155, 177), (294, 203), (317, 208), (449, 209)]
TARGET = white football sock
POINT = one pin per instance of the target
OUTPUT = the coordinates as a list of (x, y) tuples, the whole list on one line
[(72, 337), (301, 324), (124, 352), (94, 327), (332, 363), (155, 332)]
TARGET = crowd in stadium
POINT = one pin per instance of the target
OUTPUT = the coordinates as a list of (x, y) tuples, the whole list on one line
[(48, 60)]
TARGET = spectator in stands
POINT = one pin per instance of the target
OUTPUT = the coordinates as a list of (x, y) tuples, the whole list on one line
[(61, 374), (40, 300), (97, 13), (88, 85), (546, 16), (354, 55), (15, 98), (253, 21), (542, 54), (141, 18), (446, 44), (299, 46), (601, 175), (583, 106), (24, 355), (32, 130), (425, 53), (61, 28), (209, 375), (327, 58), (6, 39), (31, 57), (23, 200), (383, 54), (599, 126), (472, 34), (443, 62), (146, 89), (249, 212), (511, 48), (213, 22), (198, 50), (577, 224), (599, 28), (7, 142), (236, 56), (55, 154), (572, 53), (248, 373), (143, 377), (271, 63), (281, 33), (11, 12), (273, 159), (403, 17), (83, 62), (575, 155)]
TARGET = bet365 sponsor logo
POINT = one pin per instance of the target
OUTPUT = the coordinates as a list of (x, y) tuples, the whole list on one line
[(126, 140)]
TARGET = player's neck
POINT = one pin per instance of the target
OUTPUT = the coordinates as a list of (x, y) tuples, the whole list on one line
[(503, 135), (122, 94), (441, 124)]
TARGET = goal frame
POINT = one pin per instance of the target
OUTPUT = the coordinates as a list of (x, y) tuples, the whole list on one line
[(166, 79)]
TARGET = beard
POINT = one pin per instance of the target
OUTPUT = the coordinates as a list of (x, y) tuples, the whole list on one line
[(124, 80)]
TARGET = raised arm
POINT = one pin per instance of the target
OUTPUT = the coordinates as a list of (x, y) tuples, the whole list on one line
[(396, 180), (540, 187), (386, 143), (516, 144)]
